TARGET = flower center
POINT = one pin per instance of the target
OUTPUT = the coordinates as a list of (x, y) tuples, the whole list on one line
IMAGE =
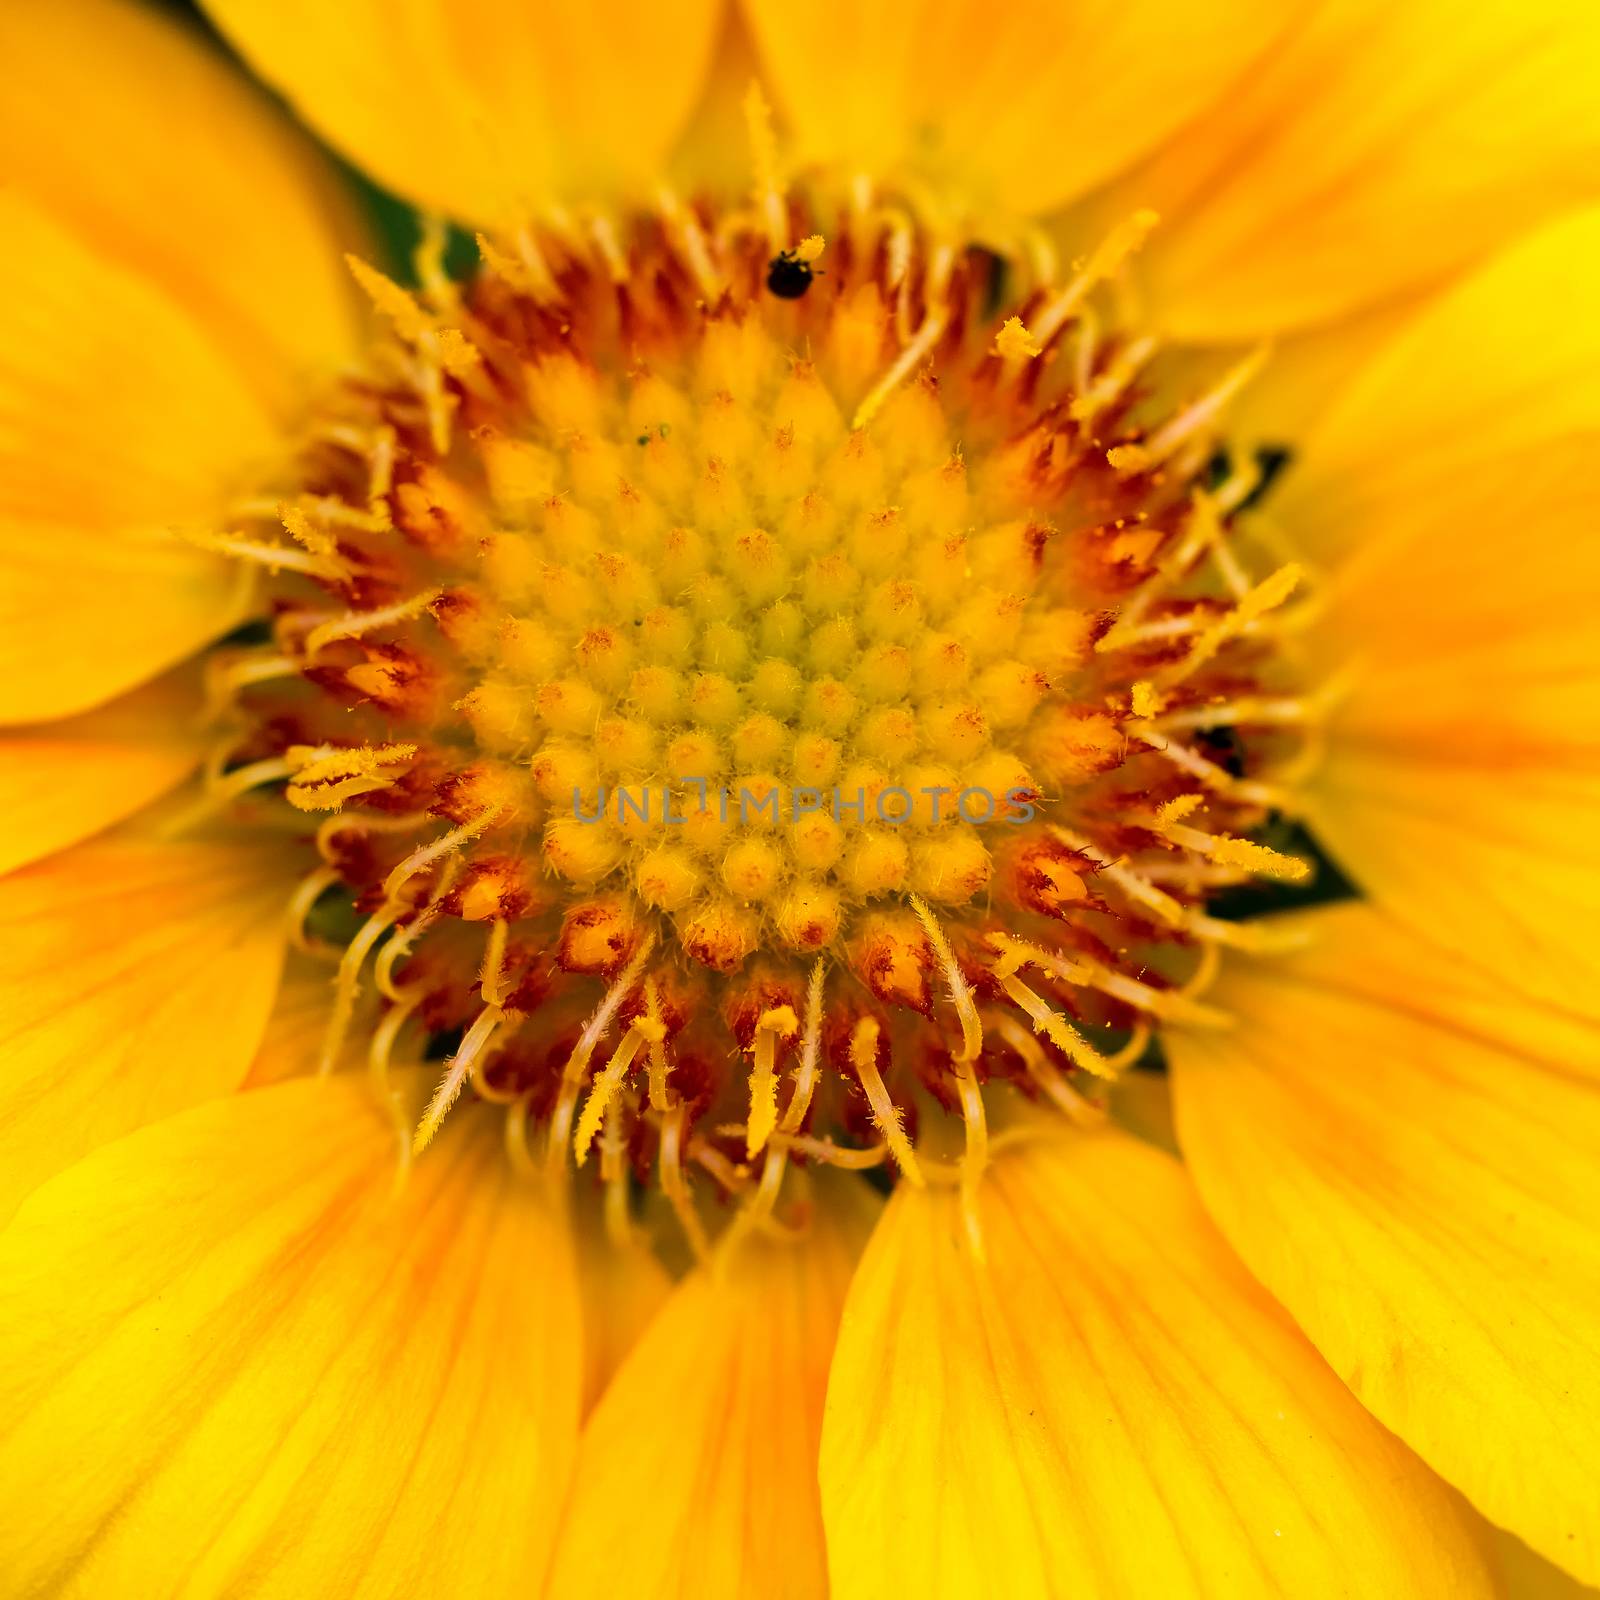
[(763, 694)]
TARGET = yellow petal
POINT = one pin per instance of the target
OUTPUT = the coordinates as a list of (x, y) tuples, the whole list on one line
[(291, 1043), (713, 154), (1526, 1576), (1302, 379), (1452, 489), (235, 1358), (1011, 109), (1141, 1102), (62, 781), (1405, 1157), (1461, 784), (696, 1475), (624, 1285), (1376, 149), (1109, 1405), (161, 159), (137, 980), (119, 423), (482, 108), (1507, 361)]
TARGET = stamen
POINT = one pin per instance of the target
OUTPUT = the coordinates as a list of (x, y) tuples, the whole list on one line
[(526, 269), (1014, 343), (675, 1185), (1216, 778), (1262, 938), (955, 980), (1113, 382), (1267, 596), (764, 159), (227, 678), (404, 940), (608, 1081), (322, 777), (1281, 711), (836, 1155), (425, 855), (346, 983), (730, 1177), (805, 1078), (382, 1044), (975, 1157), (605, 238), (1164, 443), (1041, 253), (332, 829), (577, 1067), (1046, 1074), (492, 981), (1129, 882), (275, 558), (614, 1174), (864, 1059), (660, 1095), (310, 889), (473, 1045), (1048, 1021), (777, 1157), (779, 1022), (1138, 1043), (1254, 858), (356, 623), (1107, 258), (228, 786), (692, 240), (1170, 1005), (516, 1138), (427, 261), (934, 322), (296, 518)]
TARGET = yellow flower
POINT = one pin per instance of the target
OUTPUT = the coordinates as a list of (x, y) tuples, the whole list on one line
[(719, 740)]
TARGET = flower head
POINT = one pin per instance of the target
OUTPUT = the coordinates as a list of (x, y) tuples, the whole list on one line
[(660, 641), (756, 707)]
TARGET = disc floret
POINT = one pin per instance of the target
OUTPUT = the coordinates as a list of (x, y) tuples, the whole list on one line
[(753, 721)]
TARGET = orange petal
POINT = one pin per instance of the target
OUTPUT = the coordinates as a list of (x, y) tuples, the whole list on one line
[(163, 161), (1004, 110), (697, 1471), (138, 979), (119, 423), (483, 108), (66, 780), (1107, 1405), (1373, 151), (236, 1354), (1405, 1155)]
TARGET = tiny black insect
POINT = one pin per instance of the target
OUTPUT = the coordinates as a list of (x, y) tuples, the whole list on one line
[(788, 276)]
